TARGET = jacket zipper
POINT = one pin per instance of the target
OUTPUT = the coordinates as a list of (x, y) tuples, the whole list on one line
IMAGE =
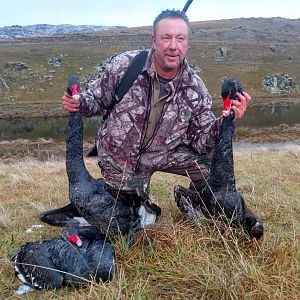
[(156, 128), (141, 150), (158, 123)]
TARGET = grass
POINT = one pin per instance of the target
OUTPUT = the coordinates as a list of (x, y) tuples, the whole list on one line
[(250, 58), (175, 259)]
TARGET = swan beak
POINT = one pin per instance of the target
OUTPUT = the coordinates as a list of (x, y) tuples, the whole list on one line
[(75, 239)]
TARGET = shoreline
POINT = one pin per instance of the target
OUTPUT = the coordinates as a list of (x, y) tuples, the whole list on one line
[(268, 146), (51, 109), (244, 137), (46, 150)]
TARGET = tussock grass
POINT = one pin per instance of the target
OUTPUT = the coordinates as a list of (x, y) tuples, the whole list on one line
[(175, 259)]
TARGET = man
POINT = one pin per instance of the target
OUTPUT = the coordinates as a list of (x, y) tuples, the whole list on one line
[(163, 123)]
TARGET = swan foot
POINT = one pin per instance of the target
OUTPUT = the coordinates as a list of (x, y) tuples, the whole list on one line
[(252, 224), (185, 200)]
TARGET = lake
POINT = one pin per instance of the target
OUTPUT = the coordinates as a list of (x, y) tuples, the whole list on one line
[(55, 128)]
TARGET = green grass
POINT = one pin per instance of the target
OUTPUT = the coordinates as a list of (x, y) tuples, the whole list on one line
[(250, 57), (175, 259)]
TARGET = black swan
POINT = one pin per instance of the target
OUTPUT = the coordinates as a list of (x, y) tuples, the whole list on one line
[(77, 257), (104, 208), (219, 199)]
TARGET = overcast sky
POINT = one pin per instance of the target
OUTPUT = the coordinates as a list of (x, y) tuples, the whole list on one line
[(134, 13)]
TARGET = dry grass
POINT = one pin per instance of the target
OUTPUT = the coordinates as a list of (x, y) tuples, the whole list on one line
[(175, 259)]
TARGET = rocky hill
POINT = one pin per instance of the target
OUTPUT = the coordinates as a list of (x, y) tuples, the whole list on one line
[(263, 53), (38, 30)]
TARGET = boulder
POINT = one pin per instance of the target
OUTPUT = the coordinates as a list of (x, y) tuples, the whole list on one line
[(55, 60), (4, 88), (280, 84), (221, 53), (15, 66)]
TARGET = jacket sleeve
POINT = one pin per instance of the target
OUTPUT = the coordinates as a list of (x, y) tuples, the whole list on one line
[(99, 95), (204, 126)]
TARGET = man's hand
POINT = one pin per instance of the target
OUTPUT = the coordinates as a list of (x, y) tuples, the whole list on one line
[(239, 107), (70, 103)]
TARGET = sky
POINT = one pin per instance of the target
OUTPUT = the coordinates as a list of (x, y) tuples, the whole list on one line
[(134, 13)]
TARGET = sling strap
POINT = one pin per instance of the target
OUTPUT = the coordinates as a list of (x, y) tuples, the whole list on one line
[(131, 74)]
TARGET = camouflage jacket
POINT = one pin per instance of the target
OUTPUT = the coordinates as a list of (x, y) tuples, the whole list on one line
[(186, 118)]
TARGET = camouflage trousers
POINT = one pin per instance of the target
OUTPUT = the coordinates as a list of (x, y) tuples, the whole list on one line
[(182, 161)]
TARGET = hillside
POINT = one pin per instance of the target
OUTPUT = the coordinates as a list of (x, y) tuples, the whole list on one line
[(16, 31), (35, 69)]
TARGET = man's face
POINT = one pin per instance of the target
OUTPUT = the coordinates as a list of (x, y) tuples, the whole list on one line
[(170, 42)]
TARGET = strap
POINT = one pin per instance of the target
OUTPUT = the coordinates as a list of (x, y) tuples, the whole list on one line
[(133, 71)]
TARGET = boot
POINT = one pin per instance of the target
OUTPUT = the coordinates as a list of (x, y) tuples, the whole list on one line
[(64, 216)]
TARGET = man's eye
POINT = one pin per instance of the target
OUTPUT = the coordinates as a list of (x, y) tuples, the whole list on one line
[(180, 39), (166, 39)]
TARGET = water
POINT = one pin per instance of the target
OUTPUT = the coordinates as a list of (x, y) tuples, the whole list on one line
[(270, 116), (55, 128), (49, 128)]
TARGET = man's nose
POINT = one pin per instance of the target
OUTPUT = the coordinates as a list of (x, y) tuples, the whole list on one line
[(173, 44)]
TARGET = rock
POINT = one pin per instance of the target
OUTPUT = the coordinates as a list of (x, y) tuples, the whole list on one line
[(55, 60), (16, 66), (48, 77), (3, 85), (221, 53), (280, 84), (22, 88), (4, 88)]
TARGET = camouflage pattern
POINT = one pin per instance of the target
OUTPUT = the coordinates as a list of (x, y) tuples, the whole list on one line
[(186, 123)]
